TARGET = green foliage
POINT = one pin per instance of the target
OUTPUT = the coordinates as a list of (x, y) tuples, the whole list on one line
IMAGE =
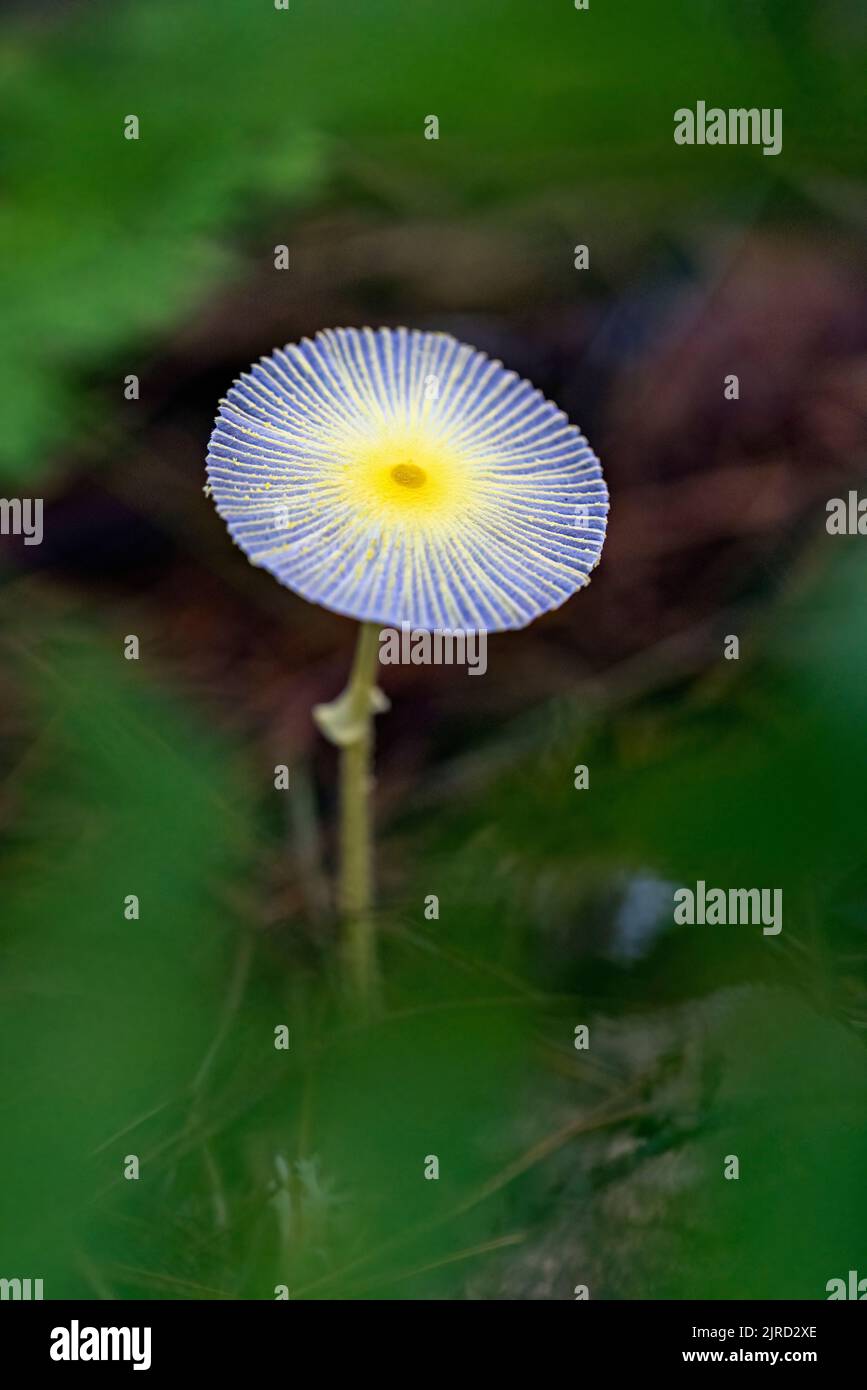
[(778, 737), (106, 1019), (790, 1106), (754, 779), (107, 243), (306, 1167)]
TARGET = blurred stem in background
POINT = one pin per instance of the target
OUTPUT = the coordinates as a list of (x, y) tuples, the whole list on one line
[(348, 723)]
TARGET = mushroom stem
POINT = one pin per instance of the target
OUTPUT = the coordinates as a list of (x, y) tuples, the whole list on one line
[(348, 723)]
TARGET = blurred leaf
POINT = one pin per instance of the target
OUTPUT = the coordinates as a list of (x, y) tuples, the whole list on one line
[(106, 1019), (107, 242)]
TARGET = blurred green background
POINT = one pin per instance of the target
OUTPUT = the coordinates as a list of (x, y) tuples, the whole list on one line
[(154, 1037)]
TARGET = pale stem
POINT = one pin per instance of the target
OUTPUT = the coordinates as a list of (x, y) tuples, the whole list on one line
[(348, 723)]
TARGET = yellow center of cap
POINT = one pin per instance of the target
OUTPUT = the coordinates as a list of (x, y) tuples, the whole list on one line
[(409, 475)]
